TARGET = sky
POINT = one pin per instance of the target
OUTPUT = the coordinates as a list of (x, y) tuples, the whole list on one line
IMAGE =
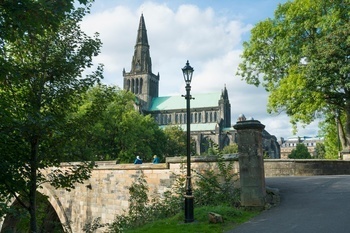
[(208, 33)]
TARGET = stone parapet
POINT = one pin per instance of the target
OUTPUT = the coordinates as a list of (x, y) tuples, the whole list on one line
[(305, 167)]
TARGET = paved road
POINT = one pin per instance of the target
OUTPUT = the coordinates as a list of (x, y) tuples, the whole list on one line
[(317, 204)]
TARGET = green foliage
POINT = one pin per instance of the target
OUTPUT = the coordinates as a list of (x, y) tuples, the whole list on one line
[(41, 83), (114, 129), (301, 57), (331, 137), (176, 141), (232, 217), (210, 148), (142, 210), (300, 152), (17, 220), (93, 225), (138, 201), (320, 151), (214, 188), (230, 149)]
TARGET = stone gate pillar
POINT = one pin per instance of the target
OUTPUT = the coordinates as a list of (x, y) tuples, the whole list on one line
[(251, 164)]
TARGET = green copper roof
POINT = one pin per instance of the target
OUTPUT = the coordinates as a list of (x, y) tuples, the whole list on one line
[(194, 127), (179, 102)]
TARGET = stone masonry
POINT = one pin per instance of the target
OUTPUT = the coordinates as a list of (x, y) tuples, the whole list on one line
[(106, 193)]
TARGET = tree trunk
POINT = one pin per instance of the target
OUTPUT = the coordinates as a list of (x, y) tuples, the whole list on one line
[(346, 144), (33, 185), (341, 133)]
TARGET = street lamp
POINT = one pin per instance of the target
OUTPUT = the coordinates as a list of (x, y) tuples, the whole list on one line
[(189, 217)]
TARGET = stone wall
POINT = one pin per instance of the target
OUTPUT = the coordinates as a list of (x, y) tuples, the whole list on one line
[(305, 167), (106, 193)]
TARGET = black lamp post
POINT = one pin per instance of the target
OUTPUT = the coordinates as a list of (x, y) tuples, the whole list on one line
[(189, 216)]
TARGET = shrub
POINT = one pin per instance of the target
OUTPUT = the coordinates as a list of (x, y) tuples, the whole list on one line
[(215, 188), (300, 152)]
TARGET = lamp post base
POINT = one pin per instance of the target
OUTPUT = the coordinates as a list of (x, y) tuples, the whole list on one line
[(189, 216)]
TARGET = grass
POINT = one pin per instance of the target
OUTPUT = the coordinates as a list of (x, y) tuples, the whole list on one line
[(232, 217)]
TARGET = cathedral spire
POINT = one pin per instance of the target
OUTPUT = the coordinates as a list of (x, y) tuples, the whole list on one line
[(141, 61), (142, 33), (140, 80)]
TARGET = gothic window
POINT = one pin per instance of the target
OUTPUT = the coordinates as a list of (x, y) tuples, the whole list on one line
[(176, 118), (133, 86), (128, 85), (185, 118), (169, 119), (195, 117), (215, 116), (199, 117), (206, 117), (137, 86), (141, 84), (211, 117)]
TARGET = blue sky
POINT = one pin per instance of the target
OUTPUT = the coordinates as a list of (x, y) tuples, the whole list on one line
[(207, 33)]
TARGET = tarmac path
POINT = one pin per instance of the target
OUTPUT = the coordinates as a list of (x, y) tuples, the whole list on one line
[(312, 204)]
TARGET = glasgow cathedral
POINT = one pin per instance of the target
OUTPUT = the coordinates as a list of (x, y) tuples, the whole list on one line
[(210, 113)]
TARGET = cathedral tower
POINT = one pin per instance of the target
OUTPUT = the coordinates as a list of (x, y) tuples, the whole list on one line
[(140, 80)]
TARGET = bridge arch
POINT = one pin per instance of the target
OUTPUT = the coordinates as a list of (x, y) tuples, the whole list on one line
[(8, 221), (57, 206)]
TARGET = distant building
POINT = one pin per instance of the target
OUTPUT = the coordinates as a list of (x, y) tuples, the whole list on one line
[(210, 112), (289, 144)]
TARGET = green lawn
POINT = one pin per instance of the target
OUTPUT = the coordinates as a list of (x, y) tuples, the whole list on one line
[(232, 217)]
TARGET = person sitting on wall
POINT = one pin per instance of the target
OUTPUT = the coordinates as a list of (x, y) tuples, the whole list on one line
[(138, 160), (155, 159)]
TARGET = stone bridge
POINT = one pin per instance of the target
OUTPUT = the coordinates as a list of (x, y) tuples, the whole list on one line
[(106, 193)]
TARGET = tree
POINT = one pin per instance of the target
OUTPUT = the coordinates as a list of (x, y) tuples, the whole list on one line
[(114, 130), (230, 149), (331, 138), (103, 110), (320, 151), (300, 152), (301, 56), (176, 141), (23, 17), (39, 89)]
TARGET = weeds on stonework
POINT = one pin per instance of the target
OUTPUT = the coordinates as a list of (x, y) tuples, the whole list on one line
[(211, 187)]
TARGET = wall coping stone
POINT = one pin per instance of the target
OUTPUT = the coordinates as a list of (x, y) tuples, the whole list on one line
[(204, 159)]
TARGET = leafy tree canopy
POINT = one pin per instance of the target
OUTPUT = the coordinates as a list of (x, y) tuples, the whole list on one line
[(114, 130), (40, 86), (175, 141), (300, 152), (301, 56), (230, 149), (320, 151)]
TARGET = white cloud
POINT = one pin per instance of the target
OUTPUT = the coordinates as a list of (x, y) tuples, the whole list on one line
[(210, 41)]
